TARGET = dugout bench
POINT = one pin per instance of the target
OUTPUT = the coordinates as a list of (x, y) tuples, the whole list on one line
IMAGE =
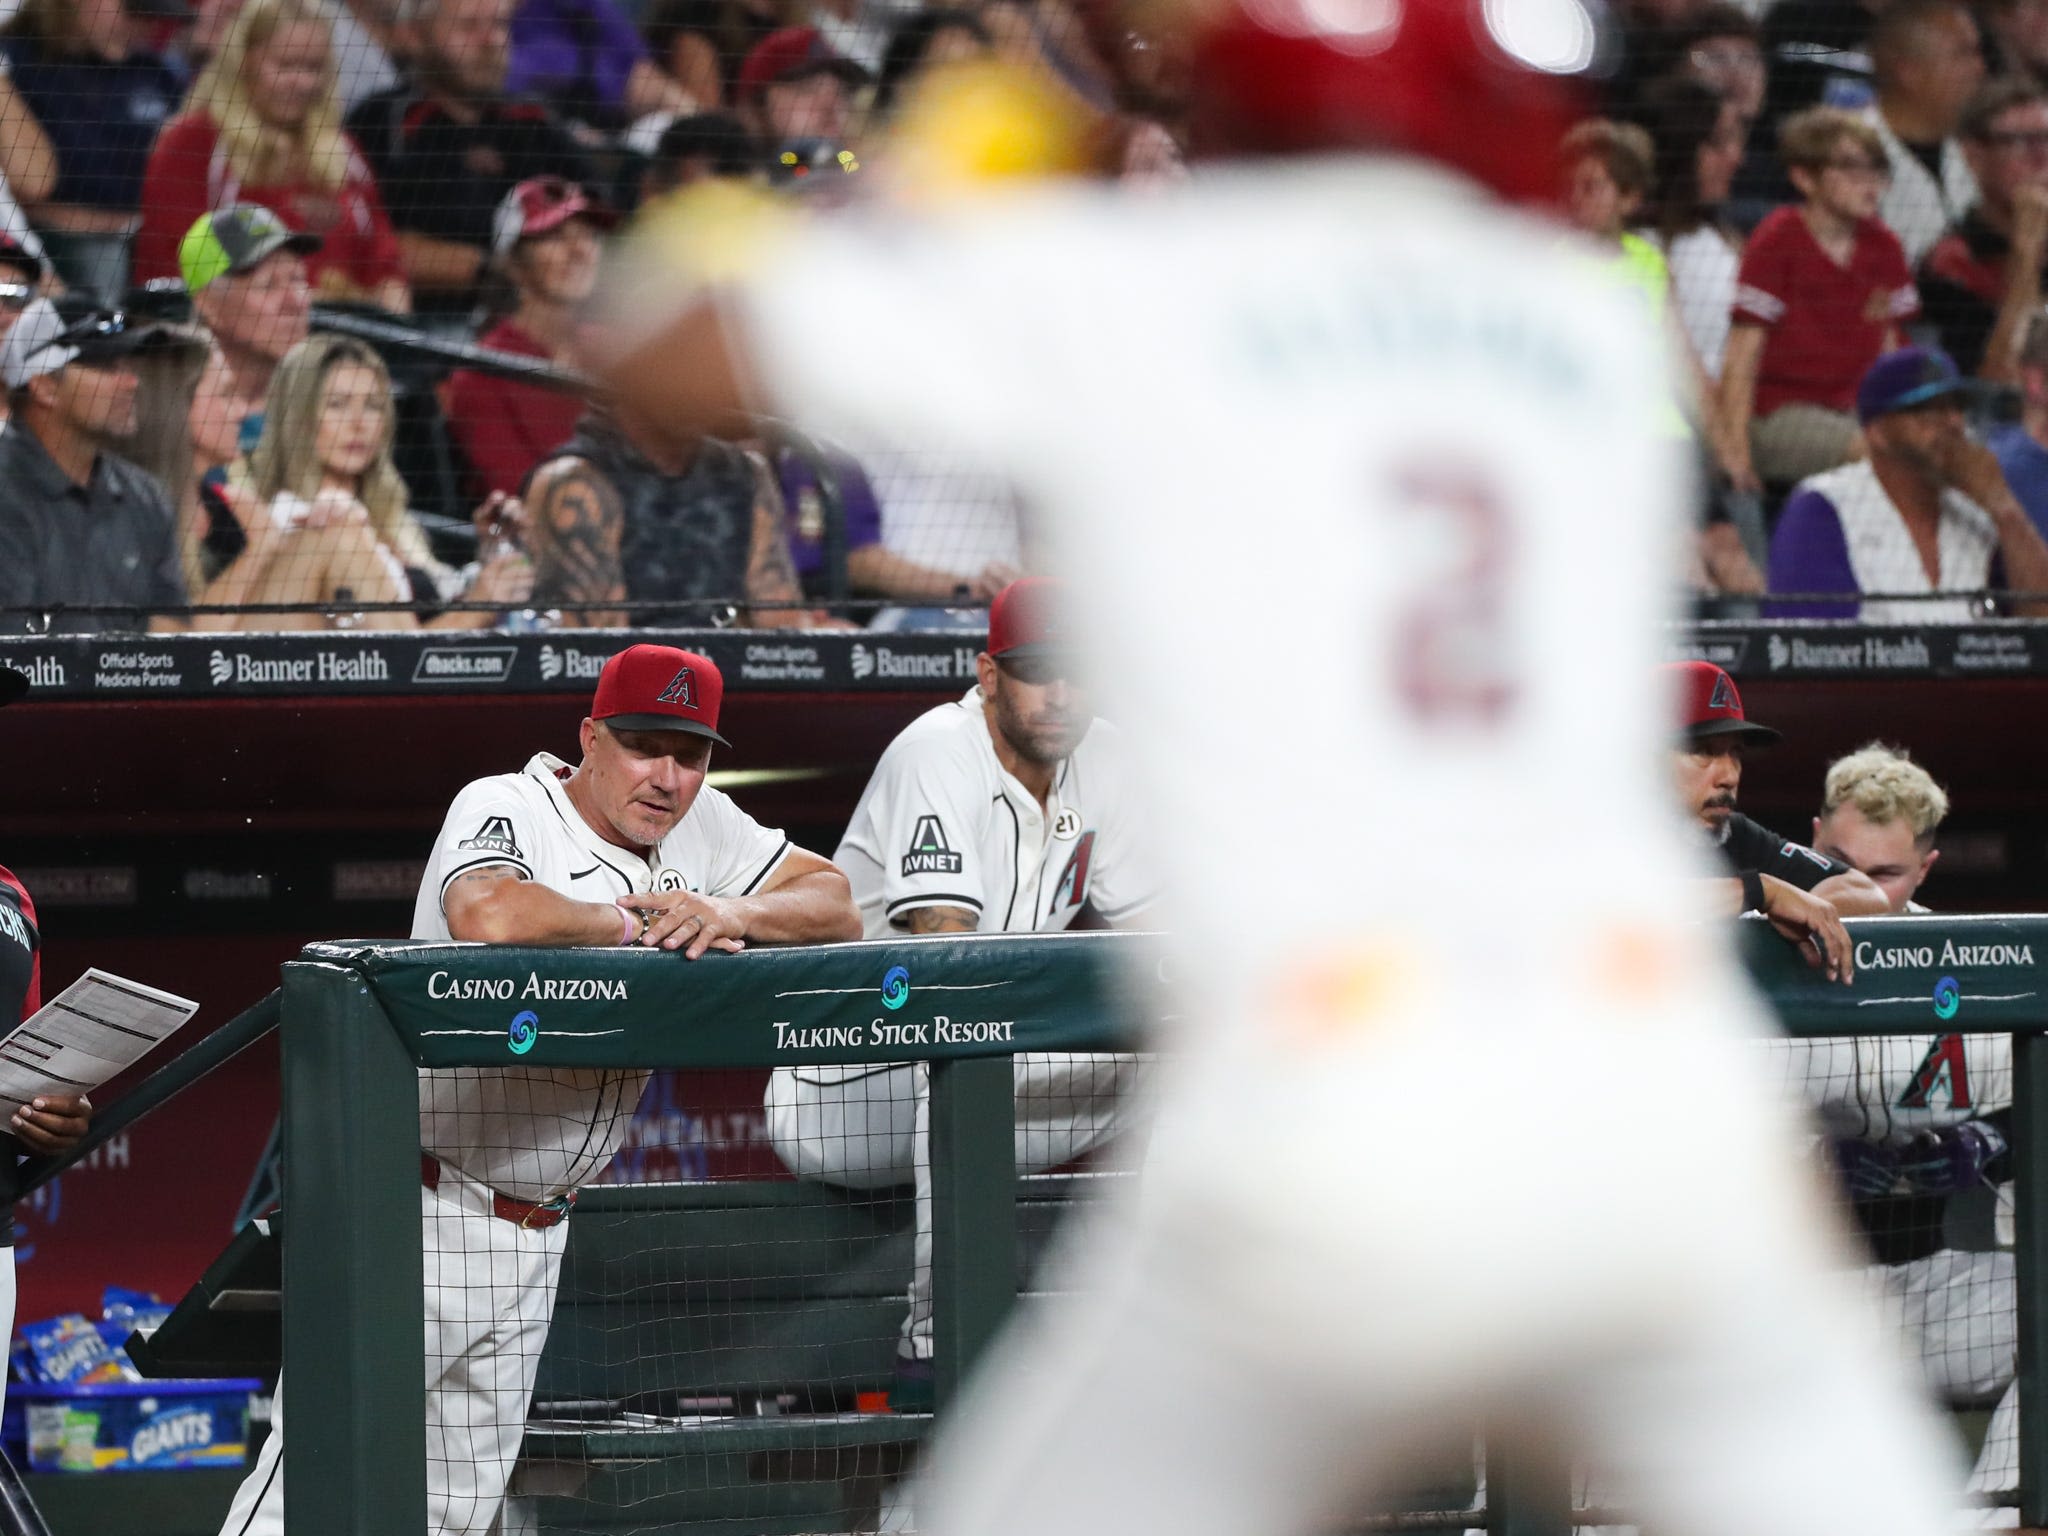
[(788, 1306)]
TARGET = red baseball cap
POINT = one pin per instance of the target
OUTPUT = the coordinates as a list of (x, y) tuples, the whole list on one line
[(1710, 707), (659, 688), (794, 53), (1028, 618), (539, 204)]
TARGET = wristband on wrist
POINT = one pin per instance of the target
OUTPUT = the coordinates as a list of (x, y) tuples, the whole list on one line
[(626, 934), (1752, 891)]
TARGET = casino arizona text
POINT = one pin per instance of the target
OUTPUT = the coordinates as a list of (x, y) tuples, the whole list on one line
[(1889, 957), (553, 989)]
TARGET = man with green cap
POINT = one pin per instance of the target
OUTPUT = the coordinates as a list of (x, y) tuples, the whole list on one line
[(246, 273)]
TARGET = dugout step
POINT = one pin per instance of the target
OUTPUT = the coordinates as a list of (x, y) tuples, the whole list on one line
[(634, 1438)]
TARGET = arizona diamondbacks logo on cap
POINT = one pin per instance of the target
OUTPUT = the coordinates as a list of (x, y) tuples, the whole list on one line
[(930, 854), (682, 689), (1724, 694), (494, 836)]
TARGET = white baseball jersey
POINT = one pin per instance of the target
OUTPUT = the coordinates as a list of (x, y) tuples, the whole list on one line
[(536, 1133), (943, 824), (1364, 487), (1324, 462)]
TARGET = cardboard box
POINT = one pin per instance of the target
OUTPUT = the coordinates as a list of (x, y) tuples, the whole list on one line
[(129, 1426)]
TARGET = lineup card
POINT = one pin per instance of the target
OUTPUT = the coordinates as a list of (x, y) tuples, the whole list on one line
[(85, 1035)]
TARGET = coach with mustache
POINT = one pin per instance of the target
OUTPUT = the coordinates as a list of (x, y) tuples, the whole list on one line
[(1804, 894)]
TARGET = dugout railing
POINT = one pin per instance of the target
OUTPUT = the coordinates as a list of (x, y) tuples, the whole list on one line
[(358, 1018)]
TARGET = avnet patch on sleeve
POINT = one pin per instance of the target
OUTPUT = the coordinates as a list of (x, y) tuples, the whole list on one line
[(929, 852), (494, 835)]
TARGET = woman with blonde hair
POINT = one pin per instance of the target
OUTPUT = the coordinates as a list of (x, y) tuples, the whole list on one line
[(262, 124), (317, 515)]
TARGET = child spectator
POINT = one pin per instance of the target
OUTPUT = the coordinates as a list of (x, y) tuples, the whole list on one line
[(1823, 289), (262, 124), (547, 243), (1607, 168), (101, 96)]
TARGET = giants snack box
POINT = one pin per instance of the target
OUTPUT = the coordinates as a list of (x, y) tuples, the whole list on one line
[(130, 1426)]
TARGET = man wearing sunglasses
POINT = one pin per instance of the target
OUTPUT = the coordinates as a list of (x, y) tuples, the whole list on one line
[(82, 531), (1008, 811)]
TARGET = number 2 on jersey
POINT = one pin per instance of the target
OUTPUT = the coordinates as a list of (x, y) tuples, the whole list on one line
[(1452, 662)]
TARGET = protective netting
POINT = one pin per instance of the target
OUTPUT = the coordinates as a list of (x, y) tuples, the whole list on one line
[(362, 370), (1911, 1136), (1795, 188), (710, 1343), (732, 1329)]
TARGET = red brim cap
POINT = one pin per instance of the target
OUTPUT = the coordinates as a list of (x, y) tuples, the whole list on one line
[(1028, 619), (1710, 706), (660, 688)]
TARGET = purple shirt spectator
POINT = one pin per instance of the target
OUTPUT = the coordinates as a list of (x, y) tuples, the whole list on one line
[(578, 54), (1810, 554), (800, 494)]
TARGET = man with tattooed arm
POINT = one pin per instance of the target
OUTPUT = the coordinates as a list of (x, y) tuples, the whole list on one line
[(633, 523)]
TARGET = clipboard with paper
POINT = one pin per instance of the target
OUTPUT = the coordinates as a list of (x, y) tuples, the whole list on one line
[(85, 1035)]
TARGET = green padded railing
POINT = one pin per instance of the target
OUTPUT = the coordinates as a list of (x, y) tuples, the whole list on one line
[(360, 1017)]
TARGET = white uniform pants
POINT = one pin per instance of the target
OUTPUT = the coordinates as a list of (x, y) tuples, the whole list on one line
[(1959, 1312), (490, 1291), (870, 1128), (1323, 1259)]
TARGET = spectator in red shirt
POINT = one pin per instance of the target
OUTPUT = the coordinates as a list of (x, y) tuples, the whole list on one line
[(1823, 290), (262, 124), (546, 240)]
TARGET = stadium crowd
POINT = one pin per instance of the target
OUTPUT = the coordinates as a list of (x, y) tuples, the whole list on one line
[(1838, 209), (297, 294)]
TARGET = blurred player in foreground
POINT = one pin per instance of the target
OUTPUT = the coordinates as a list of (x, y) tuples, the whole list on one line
[(1359, 392)]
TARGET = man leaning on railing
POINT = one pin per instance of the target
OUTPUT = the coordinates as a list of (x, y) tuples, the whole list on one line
[(1803, 894), (629, 847), (1919, 1120)]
